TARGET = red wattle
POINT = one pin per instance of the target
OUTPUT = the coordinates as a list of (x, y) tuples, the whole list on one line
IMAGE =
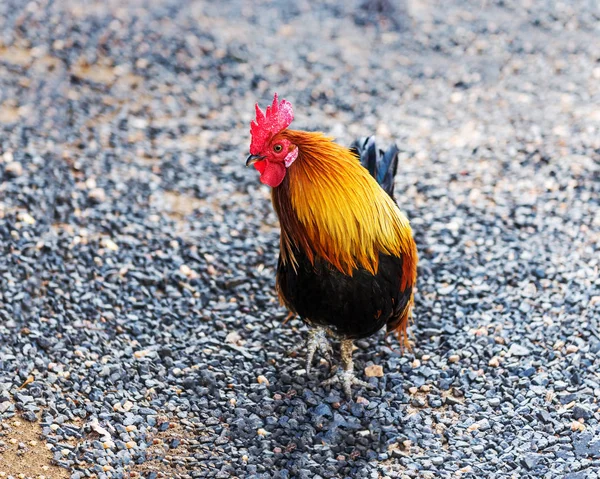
[(271, 174), (260, 166)]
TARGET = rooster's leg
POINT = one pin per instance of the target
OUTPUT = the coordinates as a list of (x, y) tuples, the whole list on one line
[(317, 339), (346, 377)]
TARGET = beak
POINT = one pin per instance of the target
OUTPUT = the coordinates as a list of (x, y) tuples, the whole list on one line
[(253, 159)]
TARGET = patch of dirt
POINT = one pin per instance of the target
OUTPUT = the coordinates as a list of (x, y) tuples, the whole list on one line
[(172, 454), (178, 206), (9, 113), (98, 73), (16, 55), (23, 452)]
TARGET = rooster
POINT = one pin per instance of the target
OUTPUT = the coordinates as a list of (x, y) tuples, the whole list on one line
[(348, 261)]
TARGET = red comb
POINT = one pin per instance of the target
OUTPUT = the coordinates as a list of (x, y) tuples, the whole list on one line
[(277, 117)]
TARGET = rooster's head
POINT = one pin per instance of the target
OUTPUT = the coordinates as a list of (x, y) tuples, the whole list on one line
[(271, 153)]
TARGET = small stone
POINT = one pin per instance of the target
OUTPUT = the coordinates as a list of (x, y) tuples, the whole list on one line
[(146, 411), (97, 195), (110, 244), (130, 445), (185, 270), (543, 416), (454, 358), (518, 350), (530, 460), (525, 307), (452, 401), (581, 412), (571, 348), (374, 371), (484, 424), (14, 169), (446, 290), (262, 380), (233, 338), (527, 372), (494, 362), (27, 218), (577, 426), (262, 432), (560, 385), (473, 427)]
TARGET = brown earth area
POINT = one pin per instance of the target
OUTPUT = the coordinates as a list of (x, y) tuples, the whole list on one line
[(23, 453)]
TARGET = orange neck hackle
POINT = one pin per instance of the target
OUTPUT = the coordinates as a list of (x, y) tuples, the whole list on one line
[(331, 208)]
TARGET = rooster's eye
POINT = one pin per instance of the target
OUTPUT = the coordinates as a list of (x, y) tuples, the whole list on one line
[(277, 148)]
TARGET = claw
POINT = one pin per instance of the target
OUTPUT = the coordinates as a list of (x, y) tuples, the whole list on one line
[(317, 340), (347, 379), (346, 375)]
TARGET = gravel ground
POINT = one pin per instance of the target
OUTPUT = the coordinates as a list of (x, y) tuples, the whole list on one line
[(139, 328)]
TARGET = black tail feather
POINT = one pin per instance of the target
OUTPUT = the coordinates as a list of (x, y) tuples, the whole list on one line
[(381, 165)]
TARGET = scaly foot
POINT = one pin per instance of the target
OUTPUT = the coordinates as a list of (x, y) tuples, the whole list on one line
[(317, 340), (345, 376), (347, 379)]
